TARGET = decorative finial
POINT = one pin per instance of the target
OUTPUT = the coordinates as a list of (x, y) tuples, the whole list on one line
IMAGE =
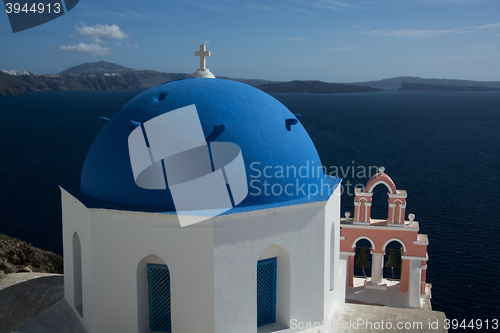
[(347, 215), (203, 71), (411, 217), (381, 169)]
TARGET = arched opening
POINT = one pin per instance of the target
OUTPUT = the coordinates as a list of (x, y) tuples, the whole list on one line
[(380, 202), (359, 244), (273, 299), (153, 295), (392, 262), (333, 252), (77, 275)]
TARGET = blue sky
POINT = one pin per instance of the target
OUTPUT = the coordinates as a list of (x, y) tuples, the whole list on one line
[(328, 40)]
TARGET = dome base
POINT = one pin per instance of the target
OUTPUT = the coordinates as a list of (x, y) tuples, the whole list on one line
[(204, 73)]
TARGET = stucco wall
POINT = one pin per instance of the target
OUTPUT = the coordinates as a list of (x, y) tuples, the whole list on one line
[(212, 265), (77, 218)]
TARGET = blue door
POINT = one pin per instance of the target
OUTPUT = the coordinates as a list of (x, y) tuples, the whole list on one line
[(159, 298), (266, 291)]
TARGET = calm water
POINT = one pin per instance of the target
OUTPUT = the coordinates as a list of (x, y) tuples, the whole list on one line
[(443, 148)]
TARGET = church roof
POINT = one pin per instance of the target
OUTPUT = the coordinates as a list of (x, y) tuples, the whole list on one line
[(275, 147)]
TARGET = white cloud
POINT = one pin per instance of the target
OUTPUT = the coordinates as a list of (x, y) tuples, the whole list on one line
[(489, 26), (207, 42), (118, 43), (410, 33), (259, 7), (298, 9), (297, 39), (225, 6), (331, 4), (82, 48), (100, 12), (99, 33), (426, 33), (344, 48)]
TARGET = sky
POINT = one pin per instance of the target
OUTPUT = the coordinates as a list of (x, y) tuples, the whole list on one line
[(327, 40)]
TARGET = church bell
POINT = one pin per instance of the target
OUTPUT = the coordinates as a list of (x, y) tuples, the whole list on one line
[(393, 262), (362, 261)]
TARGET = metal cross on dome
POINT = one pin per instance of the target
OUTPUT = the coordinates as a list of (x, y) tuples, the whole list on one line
[(202, 53)]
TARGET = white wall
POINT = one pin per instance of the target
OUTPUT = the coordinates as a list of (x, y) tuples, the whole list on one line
[(414, 284), (337, 276), (77, 218), (121, 240), (239, 242), (212, 265), (114, 243)]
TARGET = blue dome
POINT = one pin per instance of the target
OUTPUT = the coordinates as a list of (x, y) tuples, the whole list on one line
[(276, 149)]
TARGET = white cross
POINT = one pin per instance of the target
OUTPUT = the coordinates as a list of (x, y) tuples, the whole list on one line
[(202, 53)]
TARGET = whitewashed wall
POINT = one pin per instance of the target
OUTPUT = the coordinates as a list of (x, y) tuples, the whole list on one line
[(212, 265)]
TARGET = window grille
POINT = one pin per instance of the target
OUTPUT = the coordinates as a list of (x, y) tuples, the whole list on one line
[(266, 291), (159, 298)]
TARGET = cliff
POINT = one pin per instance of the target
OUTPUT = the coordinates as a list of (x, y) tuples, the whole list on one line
[(99, 75), (11, 85), (17, 256)]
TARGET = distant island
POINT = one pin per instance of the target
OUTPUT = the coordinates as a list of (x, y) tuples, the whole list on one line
[(104, 75), (439, 87), (314, 87), (396, 82), (99, 75)]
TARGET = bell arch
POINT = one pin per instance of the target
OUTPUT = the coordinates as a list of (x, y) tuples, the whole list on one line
[(363, 237), (283, 281), (362, 246), (394, 240), (380, 202), (396, 200), (393, 252), (381, 179)]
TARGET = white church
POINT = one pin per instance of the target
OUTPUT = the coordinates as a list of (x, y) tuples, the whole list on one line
[(270, 258)]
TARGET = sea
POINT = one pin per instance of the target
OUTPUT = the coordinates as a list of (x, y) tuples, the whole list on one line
[(443, 148)]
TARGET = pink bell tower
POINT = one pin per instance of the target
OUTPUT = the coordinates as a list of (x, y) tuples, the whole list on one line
[(413, 289), (363, 200)]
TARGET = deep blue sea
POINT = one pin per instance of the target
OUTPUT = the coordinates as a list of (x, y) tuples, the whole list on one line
[(442, 147)]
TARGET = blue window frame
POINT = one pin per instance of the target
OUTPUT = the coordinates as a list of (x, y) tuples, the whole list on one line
[(266, 291), (159, 298)]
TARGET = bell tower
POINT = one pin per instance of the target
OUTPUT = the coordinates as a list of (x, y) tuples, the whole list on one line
[(413, 289), (363, 200)]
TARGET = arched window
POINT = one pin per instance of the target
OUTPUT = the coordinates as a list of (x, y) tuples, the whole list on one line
[(266, 291), (333, 250), (159, 298), (273, 287), (77, 275), (153, 295)]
